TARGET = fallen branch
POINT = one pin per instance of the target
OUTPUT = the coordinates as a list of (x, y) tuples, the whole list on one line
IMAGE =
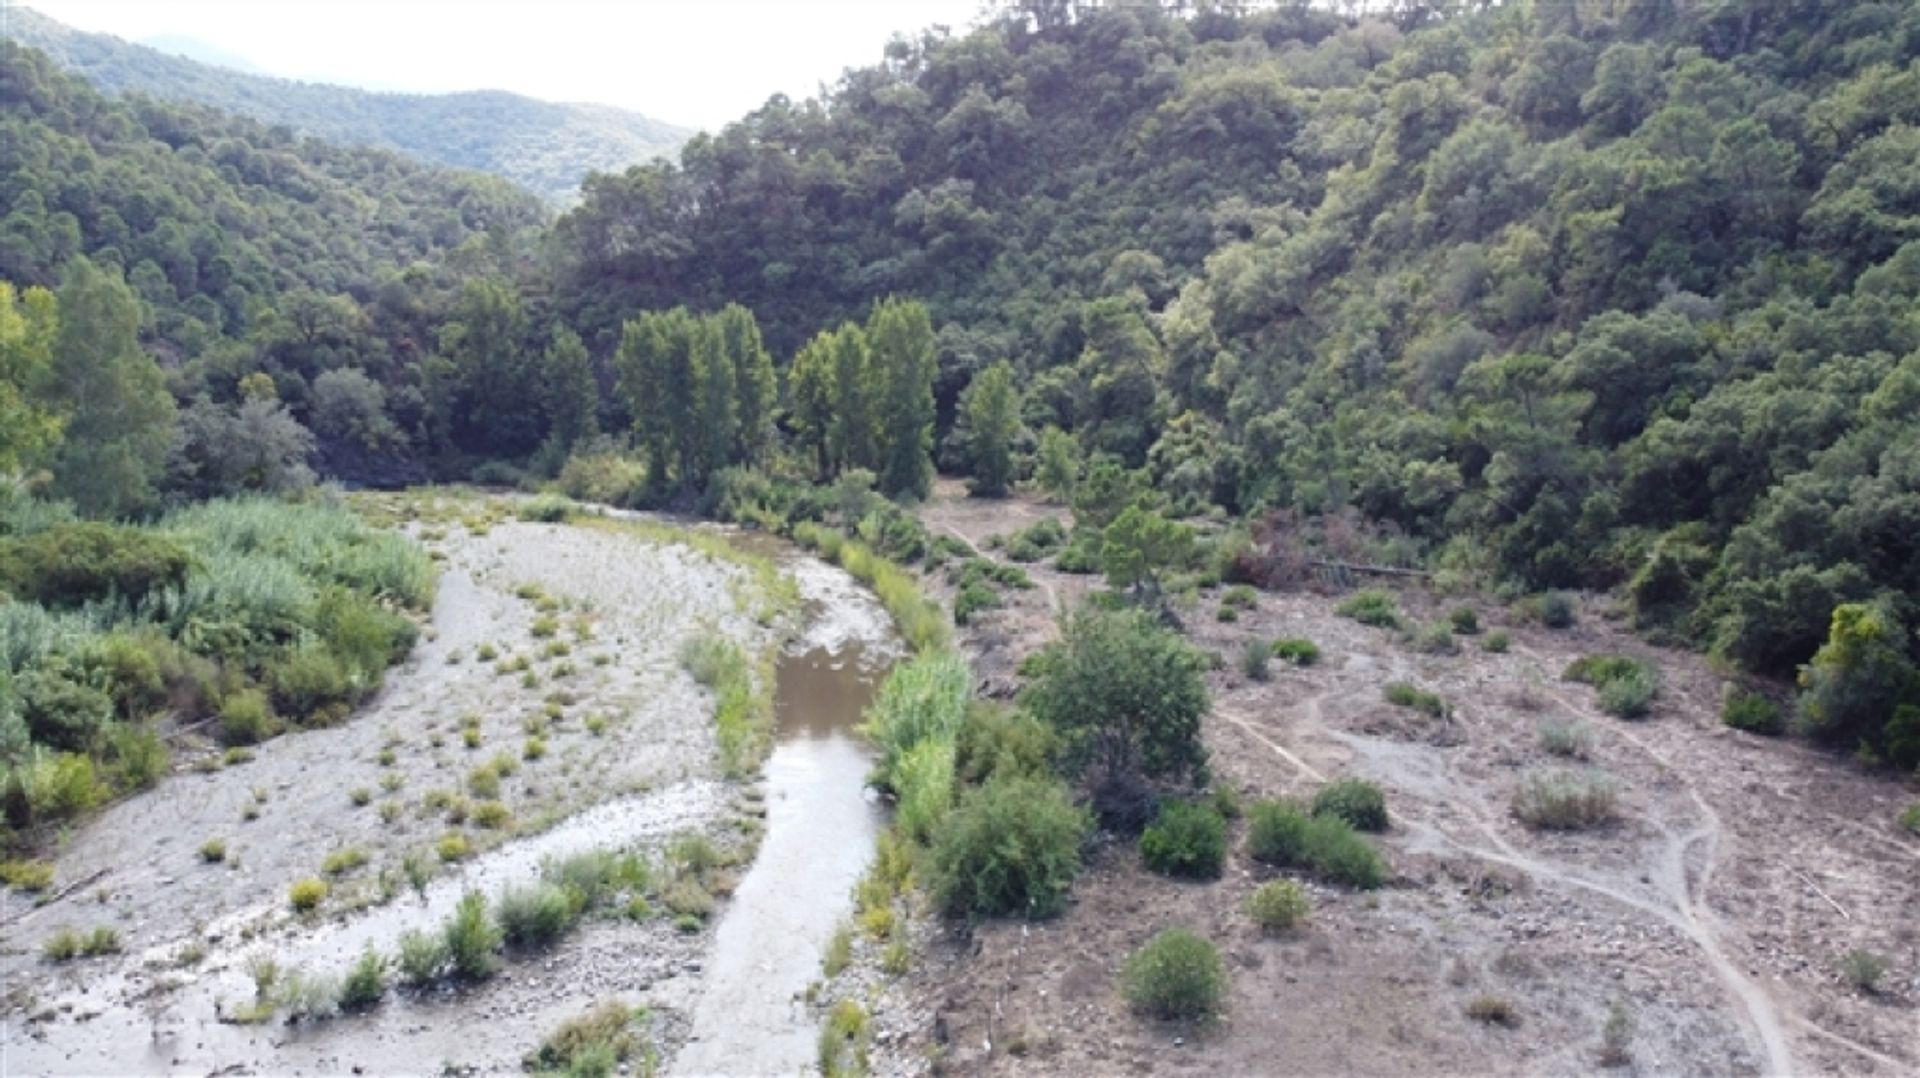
[(1816, 890)]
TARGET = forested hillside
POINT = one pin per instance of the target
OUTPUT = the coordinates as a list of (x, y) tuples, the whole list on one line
[(541, 145), (1566, 295)]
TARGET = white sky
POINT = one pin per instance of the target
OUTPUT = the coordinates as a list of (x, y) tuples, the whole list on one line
[(694, 62)]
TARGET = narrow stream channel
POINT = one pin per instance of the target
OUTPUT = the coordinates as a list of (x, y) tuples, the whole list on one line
[(821, 825)]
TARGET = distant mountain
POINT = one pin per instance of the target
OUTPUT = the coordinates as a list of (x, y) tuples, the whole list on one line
[(541, 145), (192, 48)]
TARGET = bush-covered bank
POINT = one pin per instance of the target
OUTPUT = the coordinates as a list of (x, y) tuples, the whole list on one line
[(258, 615)]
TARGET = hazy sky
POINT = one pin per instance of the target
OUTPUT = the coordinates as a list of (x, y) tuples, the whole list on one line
[(694, 62)]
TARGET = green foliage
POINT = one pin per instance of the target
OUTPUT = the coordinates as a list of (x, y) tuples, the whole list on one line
[(992, 408), (1753, 712), (1278, 906), (1555, 610), (742, 711), (1185, 839), (1863, 686), (1356, 801), (1010, 847), (422, 957), (923, 778), (472, 939), (1436, 639), (993, 742), (1465, 620), (1139, 545), (1376, 608), (1863, 970), (1176, 976), (1297, 650), (1057, 464), (306, 894), (922, 700), (71, 564), (843, 1041), (591, 1043), (1255, 657), (536, 915), (1496, 642), (1626, 686), (1565, 800), (1283, 835), (365, 983), (1409, 696), (1565, 737)]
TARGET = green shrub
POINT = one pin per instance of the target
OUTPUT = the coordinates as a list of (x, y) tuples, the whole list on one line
[(1909, 819), (76, 563), (311, 683), (1281, 834), (422, 957), (64, 945), (1497, 642), (1753, 712), (26, 875), (1356, 801), (1011, 846), (994, 741), (343, 860), (1555, 610), (923, 699), (59, 712), (1565, 737), (1176, 975), (1564, 800), (473, 939), (971, 599), (1863, 970), (1376, 608), (453, 846), (593, 1043), (139, 757), (1465, 620), (1276, 833), (1297, 650), (1436, 639), (1630, 696), (51, 786), (365, 983), (604, 477), (535, 916), (213, 851), (548, 509), (1405, 695), (306, 894), (246, 718), (1493, 1011), (843, 1041), (1185, 840), (923, 781), (1279, 906)]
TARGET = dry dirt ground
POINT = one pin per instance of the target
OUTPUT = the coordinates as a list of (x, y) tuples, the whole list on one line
[(1714, 912)]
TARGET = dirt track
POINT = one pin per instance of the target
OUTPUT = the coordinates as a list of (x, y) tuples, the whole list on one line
[(1715, 910)]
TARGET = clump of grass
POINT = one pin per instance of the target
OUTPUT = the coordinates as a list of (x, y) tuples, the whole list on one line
[(1496, 642), (422, 957), (1279, 906), (843, 1041), (742, 715), (1753, 712), (213, 851), (473, 939), (1436, 639), (839, 951), (536, 916), (492, 816), (1177, 976), (544, 627), (1616, 1036), (534, 749), (66, 944), (360, 796), (470, 737), (1565, 800), (895, 959), (1465, 620), (1371, 607), (1863, 970), (343, 860), (1555, 610), (1255, 655), (1627, 686), (26, 875), (306, 894), (1493, 1011), (595, 1042), (1565, 737), (504, 764), (1427, 703), (1910, 818), (484, 781), (1297, 650), (365, 983), (453, 846), (392, 781), (486, 653), (386, 758)]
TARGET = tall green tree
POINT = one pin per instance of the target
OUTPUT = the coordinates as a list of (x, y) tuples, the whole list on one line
[(496, 377), (716, 437), (993, 421), (29, 323), (811, 398), (756, 388), (852, 435), (120, 416), (573, 393), (656, 376), (900, 334)]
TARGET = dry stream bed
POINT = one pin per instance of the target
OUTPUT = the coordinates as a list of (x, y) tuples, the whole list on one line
[(568, 635)]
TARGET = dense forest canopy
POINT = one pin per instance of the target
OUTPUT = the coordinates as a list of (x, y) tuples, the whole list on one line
[(1605, 295), (544, 146)]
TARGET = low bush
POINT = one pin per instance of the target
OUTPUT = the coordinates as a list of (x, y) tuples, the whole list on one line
[(1255, 656), (593, 1043), (472, 938), (1493, 1011), (453, 846), (1630, 696), (971, 599), (1405, 695), (1465, 620), (213, 851), (1565, 737), (1297, 650), (1186, 840), (1011, 846), (843, 1041), (71, 564), (1281, 834), (995, 741), (1276, 833), (306, 894), (246, 718), (1279, 906), (343, 860), (1753, 712), (422, 957), (365, 983), (535, 916), (1565, 800), (1496, 642), (1376, 608), (1555, 610), (1910, 818), (548, 509), (1863, 970), (1436, 639), (26, 875), (1176, 976), (1356, 801)]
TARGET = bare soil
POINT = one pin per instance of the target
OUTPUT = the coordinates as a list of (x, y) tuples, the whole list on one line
[(1714, 911)]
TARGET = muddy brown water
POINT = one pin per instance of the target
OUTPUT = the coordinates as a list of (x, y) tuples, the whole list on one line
[(727, 1000)]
